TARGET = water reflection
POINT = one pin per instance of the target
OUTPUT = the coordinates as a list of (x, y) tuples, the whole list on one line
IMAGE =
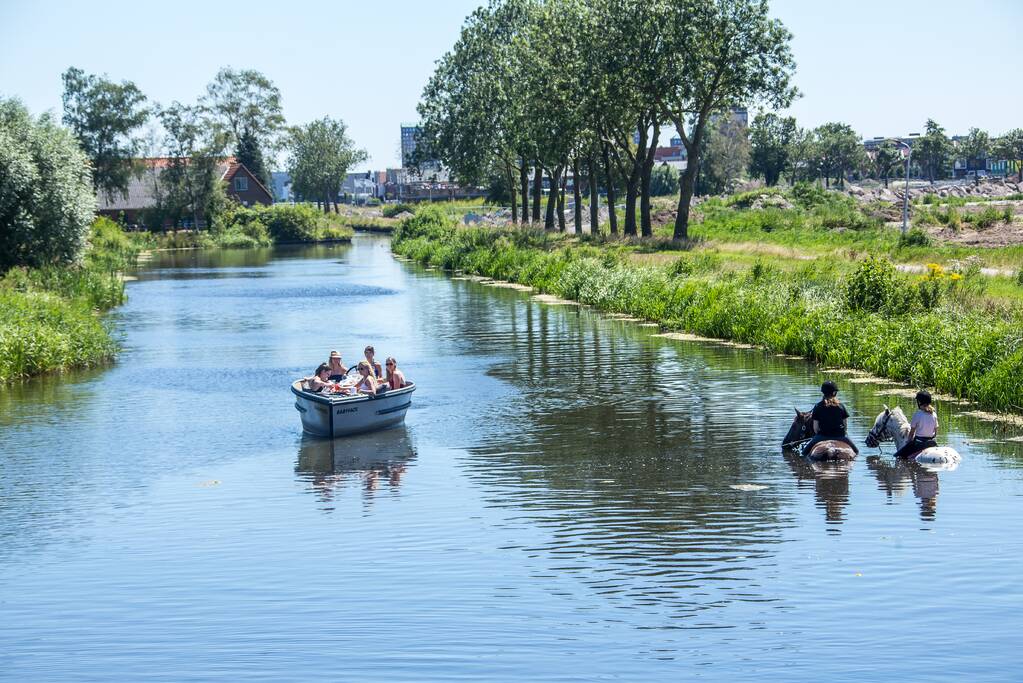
[(897, 475), (367, 461), (830, 481)]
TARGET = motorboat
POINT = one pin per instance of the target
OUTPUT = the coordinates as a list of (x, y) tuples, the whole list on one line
[(335, 414)]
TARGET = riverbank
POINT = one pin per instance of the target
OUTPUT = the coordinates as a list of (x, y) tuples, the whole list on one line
[(927, 331), (50, 317)]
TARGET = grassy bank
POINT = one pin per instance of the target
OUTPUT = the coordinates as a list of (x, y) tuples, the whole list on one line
[(926, 330), (49, 317), (239, 227)]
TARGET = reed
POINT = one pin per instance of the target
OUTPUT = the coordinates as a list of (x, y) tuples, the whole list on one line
[(969, 353)]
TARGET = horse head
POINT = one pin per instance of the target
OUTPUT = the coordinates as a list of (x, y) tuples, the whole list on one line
[(800, 430), (888, 422)]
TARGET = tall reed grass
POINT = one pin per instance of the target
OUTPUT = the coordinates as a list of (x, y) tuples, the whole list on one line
[(967, 353)]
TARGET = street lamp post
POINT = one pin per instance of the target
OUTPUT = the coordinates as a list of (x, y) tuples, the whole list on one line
[(905, 192)]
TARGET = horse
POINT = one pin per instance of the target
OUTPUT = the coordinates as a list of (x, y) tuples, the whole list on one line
[(802, 430), (892, 425)]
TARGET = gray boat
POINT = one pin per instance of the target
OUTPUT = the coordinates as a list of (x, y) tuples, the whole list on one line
[(329, 415)]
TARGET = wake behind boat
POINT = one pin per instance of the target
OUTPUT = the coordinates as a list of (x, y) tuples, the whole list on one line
[(326, 414)]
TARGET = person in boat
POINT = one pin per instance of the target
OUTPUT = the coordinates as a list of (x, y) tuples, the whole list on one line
[(395, 377), (337, 370), (378, 372), (830, 419), (320, 381), (366, 384), (923, 428)]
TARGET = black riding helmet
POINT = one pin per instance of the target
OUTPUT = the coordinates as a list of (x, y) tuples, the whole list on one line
[(923, 397), (829, 388)]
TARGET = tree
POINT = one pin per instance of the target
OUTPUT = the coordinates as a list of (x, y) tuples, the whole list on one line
[(886, 158), (1010, 147), (771, 137), (46, 196), (248, 106), (321, 154), (840, 151), (712, 55), (195, 148), (934, 150), (664, 181), (103, 115), (726, 156), (974, 149)]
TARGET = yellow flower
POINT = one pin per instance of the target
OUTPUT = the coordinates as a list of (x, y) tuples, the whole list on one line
[(955, 276)]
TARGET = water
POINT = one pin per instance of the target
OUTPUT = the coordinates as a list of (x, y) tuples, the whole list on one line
[(572, 498)]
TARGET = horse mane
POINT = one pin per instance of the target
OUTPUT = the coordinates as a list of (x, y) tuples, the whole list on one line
[(900, 416)]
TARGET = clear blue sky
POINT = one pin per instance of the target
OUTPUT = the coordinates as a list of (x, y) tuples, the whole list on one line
[(883, 66)]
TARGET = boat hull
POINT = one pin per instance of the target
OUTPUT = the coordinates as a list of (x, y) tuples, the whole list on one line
[(330, 416)]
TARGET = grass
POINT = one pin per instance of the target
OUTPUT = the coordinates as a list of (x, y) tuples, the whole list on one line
[(926, 330), (49, 317)]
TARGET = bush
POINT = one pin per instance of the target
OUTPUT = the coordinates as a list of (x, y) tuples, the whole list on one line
[(46, 196), (872, 286), (914, 238), (290, 223), (808, 195), (392, 210), (985, 218)]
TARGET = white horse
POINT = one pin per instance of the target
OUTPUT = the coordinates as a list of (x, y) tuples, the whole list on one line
[(892, 425)]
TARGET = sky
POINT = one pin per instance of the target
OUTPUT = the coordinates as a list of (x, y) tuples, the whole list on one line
[(882, 66)]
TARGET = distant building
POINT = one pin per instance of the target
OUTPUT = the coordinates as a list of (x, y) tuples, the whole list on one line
[(146, 189), (409, 138)]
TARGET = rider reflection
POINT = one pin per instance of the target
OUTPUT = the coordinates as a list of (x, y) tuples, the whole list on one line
[(830, 482), (896, 476)]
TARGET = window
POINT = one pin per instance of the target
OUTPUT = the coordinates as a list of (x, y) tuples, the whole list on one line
[(241, 183)]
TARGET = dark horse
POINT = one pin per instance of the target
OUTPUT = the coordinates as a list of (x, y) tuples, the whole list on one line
[(801, 431)]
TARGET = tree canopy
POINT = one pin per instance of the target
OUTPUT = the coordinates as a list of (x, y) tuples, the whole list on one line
[(321, 154), (104, 115), (46, 195), (247, 105)]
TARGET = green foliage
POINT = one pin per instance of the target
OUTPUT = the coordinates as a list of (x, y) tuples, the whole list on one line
[(914, 238), (46, 196), (872, 286), (321, 154), (103, 115), (934, 151), (975, 355), (771, 137), (985, 218), (663, 181), (392, 210), (808, 195)]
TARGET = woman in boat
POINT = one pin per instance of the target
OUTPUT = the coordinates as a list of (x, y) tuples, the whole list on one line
[(378, 372), (395, 377), (830, 419), (923, 428), (337, 370), (366, 383), (319, 381)]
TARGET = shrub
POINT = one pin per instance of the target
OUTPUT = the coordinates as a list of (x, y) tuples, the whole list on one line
[(1019, 277), (46, 196), (808, 195), (872, 286), (914, 238), (392, 210), (289, 223), (985, 218)]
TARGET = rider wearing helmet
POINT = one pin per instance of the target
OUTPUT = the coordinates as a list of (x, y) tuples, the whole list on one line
[(829, 420)]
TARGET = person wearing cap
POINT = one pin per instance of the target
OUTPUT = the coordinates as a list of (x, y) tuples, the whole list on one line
[(923, 428), (337, 370), (829, 420)]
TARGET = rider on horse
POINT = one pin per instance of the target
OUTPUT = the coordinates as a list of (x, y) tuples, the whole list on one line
[(829, 420)]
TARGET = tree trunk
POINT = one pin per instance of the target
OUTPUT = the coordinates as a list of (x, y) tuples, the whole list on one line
[(612, 214), (591, 182), (687, 184), (561, 197), (537, 192), (552, 200), (646, 224), (524, 183), (577, 197), (511, 191)]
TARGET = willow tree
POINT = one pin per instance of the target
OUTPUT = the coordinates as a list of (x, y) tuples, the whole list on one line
[(712, 55)]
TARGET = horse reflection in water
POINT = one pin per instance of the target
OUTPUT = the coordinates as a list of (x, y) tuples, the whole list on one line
[(895, 476), (366, 460), (830, 481)]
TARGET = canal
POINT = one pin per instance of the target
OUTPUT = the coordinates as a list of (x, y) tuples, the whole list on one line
[(573, 497)]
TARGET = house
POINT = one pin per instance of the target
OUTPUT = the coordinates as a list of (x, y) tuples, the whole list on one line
[(146, 189)]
